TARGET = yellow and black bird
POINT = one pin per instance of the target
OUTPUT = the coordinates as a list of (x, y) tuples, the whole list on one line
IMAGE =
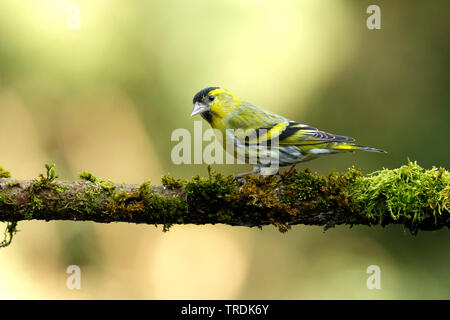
[(239, 120)]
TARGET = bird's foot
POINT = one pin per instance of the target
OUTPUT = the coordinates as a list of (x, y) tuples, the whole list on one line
[(286, 174), (240, 176)]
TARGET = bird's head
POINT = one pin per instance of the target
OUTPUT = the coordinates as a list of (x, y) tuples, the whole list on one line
[(214, 102)]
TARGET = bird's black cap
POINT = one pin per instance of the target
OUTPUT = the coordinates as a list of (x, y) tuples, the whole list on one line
[(202, 93)]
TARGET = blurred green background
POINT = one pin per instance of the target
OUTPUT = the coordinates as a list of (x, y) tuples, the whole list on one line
[(106, 97)]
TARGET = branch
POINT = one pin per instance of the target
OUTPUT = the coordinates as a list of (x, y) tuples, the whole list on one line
[(416, 198)]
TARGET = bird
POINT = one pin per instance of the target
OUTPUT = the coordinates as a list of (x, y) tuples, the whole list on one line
[(270, 140)]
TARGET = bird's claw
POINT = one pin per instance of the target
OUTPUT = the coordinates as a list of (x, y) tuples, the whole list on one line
[(241, 180)]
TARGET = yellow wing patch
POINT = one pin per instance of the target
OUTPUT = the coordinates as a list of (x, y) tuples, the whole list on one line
[(260, 135)]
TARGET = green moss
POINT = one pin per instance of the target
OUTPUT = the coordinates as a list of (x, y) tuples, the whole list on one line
[(5, 200), (171, 183), (443, 200), (96, 191), (261, 195), (165, 209), (90, 202), (45, 183), (47, 179), (87, 176), (2, 200), (10, 231), (144, 206), (310, 192), (4, 173), (35, 203), (302, 186), (13, 184), (108, 186), (408, 194), (209, 196)]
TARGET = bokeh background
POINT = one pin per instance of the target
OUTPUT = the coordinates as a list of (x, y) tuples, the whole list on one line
[(106, 97)]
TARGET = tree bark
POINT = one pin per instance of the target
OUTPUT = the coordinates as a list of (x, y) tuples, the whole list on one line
[(305, 199)]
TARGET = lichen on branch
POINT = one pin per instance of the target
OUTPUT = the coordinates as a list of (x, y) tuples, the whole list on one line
[(416, 198)]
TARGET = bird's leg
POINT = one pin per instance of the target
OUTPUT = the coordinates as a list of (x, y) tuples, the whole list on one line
[(287, 173), (243, 174)]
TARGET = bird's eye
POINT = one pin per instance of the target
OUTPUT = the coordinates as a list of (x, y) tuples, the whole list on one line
[(211, 97)]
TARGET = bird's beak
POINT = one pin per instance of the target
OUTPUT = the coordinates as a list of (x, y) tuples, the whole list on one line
[(199, 108)]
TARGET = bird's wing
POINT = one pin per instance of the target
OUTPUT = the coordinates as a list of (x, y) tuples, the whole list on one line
[(257, 125), (300, 134)]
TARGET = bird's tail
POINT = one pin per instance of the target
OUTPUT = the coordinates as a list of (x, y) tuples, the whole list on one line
[(354, 147)]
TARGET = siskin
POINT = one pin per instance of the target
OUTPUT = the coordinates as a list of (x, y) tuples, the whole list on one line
[(265, 136)]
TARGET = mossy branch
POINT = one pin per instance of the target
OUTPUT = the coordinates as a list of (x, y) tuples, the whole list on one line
[(411, 196)]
